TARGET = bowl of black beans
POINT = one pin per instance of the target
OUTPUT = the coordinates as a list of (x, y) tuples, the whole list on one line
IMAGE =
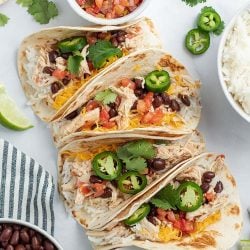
[(21, 235)]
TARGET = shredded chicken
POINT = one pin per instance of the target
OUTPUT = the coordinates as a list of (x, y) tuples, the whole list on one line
[(84, 64), (61, 63), (193, 173)]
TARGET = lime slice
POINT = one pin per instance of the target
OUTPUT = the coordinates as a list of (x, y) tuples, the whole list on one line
[(10, 115), (245, 244)]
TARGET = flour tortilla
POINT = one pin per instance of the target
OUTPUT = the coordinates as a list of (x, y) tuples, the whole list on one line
[(182, 150), (148, 38), (221, 235), (137, 64)]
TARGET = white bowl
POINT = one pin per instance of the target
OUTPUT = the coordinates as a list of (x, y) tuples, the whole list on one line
[(35, 228), (104, 21), (237, 107)]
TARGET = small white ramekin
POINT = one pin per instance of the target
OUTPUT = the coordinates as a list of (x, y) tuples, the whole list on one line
[(237, 107), (104, 21), (35, 228)]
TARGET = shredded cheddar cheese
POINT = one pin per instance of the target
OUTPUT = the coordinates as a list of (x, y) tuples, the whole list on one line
[(167, 234), (200, 226), (89, 155)]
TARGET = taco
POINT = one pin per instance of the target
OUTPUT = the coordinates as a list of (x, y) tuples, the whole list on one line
[(197, 207), (55, 63), (99, 177), (148, 92)]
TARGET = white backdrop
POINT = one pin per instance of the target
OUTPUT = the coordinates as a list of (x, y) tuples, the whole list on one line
[(224, 130)]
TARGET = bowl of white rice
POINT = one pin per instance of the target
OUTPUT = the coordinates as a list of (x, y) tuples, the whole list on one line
[(234, 62)]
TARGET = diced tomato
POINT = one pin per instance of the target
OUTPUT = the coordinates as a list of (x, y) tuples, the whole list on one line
[(210, 196), (59, 74), (98, 189), (184, 225), (171, 216), (177, 224), (109, 124), (85, 189), (148, 99), (124, 3), (126, 82), (147, 118), (91, 39), (158, 116), (104, 115), (161, 214), (141, 107), (99, 3), (81, 2), (92, 105), (182, 215), (119, 9)]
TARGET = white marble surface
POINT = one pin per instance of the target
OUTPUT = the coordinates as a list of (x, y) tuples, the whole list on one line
[(224, 130)]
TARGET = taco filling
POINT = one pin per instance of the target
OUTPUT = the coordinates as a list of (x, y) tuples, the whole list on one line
[(101, 179), (186, 206), (154, 100)]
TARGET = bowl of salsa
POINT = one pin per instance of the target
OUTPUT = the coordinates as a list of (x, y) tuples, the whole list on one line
[(108, 12)]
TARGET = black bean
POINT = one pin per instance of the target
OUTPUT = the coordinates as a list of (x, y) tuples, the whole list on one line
[(66, 55), (107, 193), (114, 41), (16, 227), (35, 242), (95, 179), (166, 98), (112, 105), (142, 96), (121, 33), (113, 113), (4, 243), (157, 102), (6, 234), (139, 92), (134, 107), (153, 211), (72, 115), (158, 164), (20, 247), (138, 83), (114, 183), (152, 219), (65, 81), (55, 87), (14, 238), (121, 38), (28, 247), (24, 236), (206, 180), (48, 245), (102, 35), (209, 174), (53, 55), (218, 187), (175, 106), (31, 232), (205, 187), (48, 70), (9, 247), (185, 100)]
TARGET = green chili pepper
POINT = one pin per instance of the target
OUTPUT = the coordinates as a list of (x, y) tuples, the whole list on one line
[(190, 196), (138, 215), (197, 41), (132, 182), (157, 81), (209, 20), (72, 44), (107, 165)]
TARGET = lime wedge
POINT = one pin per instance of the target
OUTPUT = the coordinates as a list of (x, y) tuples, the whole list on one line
[(10, 115), (245, 244)]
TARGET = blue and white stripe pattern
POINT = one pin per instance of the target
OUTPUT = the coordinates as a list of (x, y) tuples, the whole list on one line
[(26, 189)]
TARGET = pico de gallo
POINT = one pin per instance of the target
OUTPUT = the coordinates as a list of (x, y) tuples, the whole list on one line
[(109, 8)]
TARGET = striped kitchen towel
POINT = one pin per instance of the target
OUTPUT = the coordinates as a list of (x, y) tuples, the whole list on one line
[(26, 189)]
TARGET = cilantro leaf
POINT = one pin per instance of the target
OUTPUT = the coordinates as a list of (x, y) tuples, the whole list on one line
[(106, 97), (24, 3), (220, 29), (164, 204), (193, 2), (101, 51), (3, 19), (123, 153), (74, 63), (43, 11), (142, 148), (170, 194), (137, 164)]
